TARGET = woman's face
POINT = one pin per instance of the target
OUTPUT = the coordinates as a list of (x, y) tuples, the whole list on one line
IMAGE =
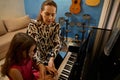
[(48, 14)]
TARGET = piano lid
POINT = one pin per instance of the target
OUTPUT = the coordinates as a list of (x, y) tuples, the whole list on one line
[(111, 42)]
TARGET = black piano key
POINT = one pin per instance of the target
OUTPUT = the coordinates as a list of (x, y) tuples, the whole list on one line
[(65, 72), (67, 67), (69, 62), (71, 59), (62, 77), (73, 55)]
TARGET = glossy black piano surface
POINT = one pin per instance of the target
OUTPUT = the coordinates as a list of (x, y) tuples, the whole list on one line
[(91, 62)]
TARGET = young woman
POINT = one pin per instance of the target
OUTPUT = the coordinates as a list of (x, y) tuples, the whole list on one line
[(46, 33)]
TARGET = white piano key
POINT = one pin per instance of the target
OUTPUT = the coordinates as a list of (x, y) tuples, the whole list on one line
[(66, 66)]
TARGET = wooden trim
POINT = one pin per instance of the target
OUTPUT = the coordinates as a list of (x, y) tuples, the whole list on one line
[(102, 24), (107, 20), (113, 14)]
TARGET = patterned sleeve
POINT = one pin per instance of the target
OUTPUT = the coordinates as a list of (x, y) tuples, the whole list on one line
[(33, 32), (56, 40)]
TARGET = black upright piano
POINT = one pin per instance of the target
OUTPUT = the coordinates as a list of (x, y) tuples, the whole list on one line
[(97, 58)]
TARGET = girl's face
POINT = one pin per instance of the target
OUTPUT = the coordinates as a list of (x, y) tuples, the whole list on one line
[(32, 51), (48, 14)]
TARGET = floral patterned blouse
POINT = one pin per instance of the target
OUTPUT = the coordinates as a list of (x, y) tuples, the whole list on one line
[(47, 38)]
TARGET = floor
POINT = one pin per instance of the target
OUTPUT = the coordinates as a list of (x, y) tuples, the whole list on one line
[(2, 78)]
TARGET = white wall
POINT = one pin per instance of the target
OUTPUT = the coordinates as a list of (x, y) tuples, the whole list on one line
[(11, 8)]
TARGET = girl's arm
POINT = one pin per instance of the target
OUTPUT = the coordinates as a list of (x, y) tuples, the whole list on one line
[(15, 74)]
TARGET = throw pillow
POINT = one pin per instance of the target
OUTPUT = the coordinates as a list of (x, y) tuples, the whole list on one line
[(17, 23), (2, 28)]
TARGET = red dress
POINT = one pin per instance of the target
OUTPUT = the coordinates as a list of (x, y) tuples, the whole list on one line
[(26, 70)]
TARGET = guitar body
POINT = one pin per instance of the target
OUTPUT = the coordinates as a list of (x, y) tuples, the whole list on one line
[(75, 7), (92, 2)]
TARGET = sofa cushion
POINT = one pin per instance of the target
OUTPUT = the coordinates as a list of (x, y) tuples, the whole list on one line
[(17, 23), (2, 28), (5, 41)]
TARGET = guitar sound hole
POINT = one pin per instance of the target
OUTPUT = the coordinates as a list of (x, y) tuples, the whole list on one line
[(75, 1)]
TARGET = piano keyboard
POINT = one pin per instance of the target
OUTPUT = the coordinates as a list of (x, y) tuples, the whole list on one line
[(66, 66)]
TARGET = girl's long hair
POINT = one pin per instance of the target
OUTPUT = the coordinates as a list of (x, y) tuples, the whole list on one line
[(20, 42), (45, 3)]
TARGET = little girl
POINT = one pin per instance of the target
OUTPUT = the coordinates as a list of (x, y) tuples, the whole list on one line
[(18, 61)]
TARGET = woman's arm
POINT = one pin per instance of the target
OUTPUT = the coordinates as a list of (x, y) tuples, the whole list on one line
[(56, 40)]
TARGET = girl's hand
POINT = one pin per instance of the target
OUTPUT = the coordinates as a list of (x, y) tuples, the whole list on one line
[(42, 70)]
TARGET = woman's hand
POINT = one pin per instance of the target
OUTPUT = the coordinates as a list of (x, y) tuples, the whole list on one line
[(51, 67), (51, 70), (48, 72)]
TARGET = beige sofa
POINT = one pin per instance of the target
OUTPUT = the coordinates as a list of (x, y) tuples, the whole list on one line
[(8, 28)]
